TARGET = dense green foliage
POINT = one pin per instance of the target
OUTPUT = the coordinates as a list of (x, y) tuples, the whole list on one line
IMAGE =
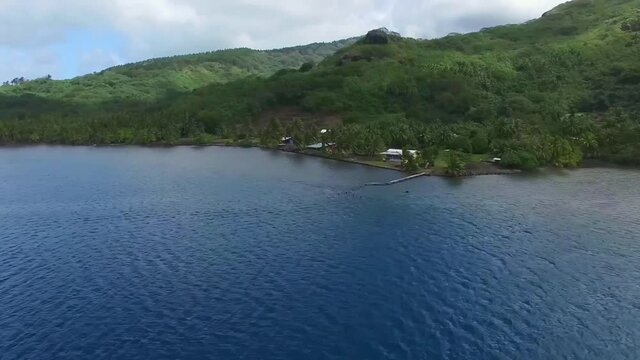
[(552, 91)]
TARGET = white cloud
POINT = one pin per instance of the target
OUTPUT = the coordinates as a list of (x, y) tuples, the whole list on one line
[(16, 63), (150, 28), (33, 23), (435, 18)]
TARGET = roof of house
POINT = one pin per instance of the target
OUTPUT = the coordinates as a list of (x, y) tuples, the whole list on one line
[(319, 145), (397, 152)]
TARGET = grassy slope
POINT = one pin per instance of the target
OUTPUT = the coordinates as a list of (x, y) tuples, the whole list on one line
[(152, 79)]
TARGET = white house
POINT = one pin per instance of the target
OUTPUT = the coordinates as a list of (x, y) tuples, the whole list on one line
[(395, 155), (320, 146)]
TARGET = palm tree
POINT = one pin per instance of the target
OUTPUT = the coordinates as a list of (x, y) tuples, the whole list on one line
[(589, 143), (296, 131), (455, 164), (444, 136)]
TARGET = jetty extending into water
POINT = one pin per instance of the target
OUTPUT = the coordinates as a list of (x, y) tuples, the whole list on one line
[(397, 181)]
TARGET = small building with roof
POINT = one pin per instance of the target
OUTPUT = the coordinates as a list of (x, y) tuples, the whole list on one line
[(321, 146), (395, 155), (287, 143)]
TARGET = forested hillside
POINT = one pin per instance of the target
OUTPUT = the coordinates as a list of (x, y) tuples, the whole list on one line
[(552, 91)]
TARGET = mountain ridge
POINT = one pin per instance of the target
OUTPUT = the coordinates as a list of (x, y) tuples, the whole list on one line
[(179, 73)]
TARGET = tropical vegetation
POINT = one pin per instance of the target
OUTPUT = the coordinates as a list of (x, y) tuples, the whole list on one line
[(550, 92)]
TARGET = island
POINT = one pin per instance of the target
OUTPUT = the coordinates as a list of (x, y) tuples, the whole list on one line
[(552, 92)]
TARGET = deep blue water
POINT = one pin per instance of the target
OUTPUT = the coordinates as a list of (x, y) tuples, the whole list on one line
[(213, 253)]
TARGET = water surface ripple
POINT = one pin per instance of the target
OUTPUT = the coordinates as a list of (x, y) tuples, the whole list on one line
[(193, 253)]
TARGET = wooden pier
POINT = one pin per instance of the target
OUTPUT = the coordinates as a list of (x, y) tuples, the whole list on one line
[(398, 181)]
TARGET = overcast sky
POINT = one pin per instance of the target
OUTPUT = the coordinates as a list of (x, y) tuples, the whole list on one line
[(66, 38)]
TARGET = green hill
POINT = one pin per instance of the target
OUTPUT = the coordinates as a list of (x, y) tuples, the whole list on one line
[(576, 58), (551, 91), (152, 79)]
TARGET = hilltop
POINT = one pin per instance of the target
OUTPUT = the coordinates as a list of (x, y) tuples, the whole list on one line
[(153, 79), (551, 91)]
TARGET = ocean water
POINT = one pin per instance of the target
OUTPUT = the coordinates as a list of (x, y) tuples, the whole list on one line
[(215, 253)]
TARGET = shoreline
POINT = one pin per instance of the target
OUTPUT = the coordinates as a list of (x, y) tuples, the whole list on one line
[(427, 172), (431, 172), (489, 170)]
